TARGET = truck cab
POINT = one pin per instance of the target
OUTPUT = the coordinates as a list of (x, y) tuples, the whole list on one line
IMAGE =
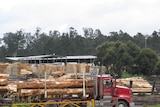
[(106, 86)]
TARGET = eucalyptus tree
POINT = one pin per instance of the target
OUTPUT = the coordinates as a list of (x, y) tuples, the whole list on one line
[(113, 36), (88, 32), (2, 53), (121, 36), (28, 44), (146, 61), (154, 41), (124, 37), (114, 55), (157, 68), (134, 51), (53, 44), (39, 46), (139, 39), (128, 57), (54, 33), (14, 42)]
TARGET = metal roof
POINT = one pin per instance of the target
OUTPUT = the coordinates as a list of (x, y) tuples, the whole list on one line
[(80, 57), (33, 57), (41, 57)]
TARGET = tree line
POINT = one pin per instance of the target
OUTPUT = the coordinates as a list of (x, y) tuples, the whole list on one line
[(119, 51), (119, 57)]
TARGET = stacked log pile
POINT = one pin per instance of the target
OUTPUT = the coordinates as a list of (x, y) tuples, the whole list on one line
[(20, 69), (139, 84), (58, 80), (17, 69), (4, 83), (3, 66), (65, 85)]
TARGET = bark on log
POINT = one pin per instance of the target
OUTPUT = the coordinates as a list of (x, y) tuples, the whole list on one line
[(65, 91), (4, 76), (3, 89), (3, 82), (69, 83)]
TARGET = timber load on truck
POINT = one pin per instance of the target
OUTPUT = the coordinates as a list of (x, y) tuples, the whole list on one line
[(68, 85), (91, 85), (59, 86)]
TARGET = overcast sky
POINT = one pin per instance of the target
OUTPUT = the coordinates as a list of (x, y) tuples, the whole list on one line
[(130, 16)]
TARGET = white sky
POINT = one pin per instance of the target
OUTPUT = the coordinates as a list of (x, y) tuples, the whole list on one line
[(131, 16)]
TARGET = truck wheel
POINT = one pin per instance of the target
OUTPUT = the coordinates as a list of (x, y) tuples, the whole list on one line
[(69, 105), (122, 104), (51, 105)]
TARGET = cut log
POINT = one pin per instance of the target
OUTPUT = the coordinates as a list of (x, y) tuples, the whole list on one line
[(3, 82), (29, 85), (69, 83), (3, 89), (138, 82), (12, 87), (3, 66), (144, 90), (65, 91), (57, 74), (4, 76)]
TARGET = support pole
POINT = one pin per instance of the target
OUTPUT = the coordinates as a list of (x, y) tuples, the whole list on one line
[(45, 86), (101, 87), (84, 90)]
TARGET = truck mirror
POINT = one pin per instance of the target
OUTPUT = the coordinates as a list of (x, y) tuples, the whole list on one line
[(116, 76)]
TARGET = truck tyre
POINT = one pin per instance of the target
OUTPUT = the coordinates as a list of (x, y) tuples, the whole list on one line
[(51, 105), (122, 104), (69, 105)]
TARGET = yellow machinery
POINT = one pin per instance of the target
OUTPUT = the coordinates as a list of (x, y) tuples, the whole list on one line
[(90, 103)]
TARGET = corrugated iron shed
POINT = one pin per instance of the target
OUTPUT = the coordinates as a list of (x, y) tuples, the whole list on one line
[(52, 58)]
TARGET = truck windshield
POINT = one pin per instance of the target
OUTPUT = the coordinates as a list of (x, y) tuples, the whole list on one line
[(108, 83)]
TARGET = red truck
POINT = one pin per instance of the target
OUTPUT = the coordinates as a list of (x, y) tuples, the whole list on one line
[(100, 90), (105, 94), (106, 89)]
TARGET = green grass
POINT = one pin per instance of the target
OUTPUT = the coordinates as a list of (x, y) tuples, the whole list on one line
[(125, 75), (158, 105)]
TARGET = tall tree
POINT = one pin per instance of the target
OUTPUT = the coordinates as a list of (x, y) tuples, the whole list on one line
[(157, 68), (40, 44), (88, 32), (134, 51), (154, 41), (139, 39), (147, 60), (72, 32), (2, 53), (14, 42), (114, 55)]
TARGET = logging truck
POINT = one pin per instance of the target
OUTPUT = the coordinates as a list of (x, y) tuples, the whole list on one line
[(91, 89)]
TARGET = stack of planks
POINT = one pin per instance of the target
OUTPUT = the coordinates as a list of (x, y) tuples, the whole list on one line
[(139, 84), (16, 69), (20, 69), (58, 82), (4, 83), (3, 66)]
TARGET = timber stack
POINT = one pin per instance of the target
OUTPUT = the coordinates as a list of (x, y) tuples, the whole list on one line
[(139, 84), (57, 80), (4, 83)]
